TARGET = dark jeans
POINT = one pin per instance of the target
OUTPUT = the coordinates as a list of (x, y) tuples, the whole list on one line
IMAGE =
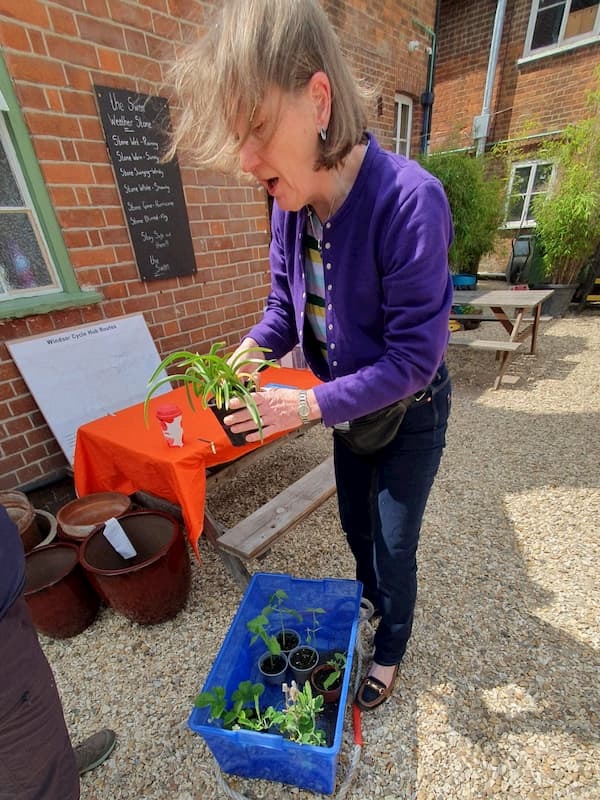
[(382, 500), (37, 761)]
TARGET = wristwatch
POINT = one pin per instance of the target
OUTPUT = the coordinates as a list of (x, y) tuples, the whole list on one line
[(303, 408)]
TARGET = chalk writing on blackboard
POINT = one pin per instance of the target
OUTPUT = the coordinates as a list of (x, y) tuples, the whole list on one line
[(136, 127)]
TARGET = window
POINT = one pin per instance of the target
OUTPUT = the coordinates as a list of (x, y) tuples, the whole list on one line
[(25, 265), (528, 180), (35, 273), (560, 23), (402, 124)]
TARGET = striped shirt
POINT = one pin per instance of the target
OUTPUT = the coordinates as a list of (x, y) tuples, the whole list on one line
[(315, 280)]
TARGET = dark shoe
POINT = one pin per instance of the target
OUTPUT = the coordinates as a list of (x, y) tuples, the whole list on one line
[(94, 750), (372, 692)]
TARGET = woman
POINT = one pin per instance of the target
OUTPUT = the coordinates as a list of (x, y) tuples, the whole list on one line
[(359, 277)]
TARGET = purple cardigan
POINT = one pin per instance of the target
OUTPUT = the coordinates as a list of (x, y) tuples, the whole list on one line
[(388, 289)]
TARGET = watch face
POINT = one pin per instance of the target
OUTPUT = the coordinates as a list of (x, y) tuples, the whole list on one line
[(303, 409)]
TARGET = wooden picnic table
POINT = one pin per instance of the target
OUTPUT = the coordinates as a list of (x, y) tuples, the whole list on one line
[(518, 311)]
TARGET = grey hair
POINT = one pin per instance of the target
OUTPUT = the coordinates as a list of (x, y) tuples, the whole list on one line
[(248, 47)]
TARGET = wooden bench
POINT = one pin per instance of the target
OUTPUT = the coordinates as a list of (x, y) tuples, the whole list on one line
[(486, 344), (503, 349), (485, 316), (254, 536)]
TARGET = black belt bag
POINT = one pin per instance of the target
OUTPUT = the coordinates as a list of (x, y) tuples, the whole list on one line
[(370, 433)]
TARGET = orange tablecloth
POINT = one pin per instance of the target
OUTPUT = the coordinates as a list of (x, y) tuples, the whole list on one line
[(118, 453)]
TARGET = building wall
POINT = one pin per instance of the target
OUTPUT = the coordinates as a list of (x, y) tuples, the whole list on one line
[(539, 96), (55, 52)]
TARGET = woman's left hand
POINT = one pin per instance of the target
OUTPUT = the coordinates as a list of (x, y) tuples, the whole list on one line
[(278, 410)]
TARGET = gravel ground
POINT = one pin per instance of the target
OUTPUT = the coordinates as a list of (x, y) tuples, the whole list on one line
[(498, 695)]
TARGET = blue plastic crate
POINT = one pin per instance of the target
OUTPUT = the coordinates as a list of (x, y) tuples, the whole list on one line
[(264, 755)]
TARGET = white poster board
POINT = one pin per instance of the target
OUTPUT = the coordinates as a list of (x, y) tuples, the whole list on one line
[(79, 374)]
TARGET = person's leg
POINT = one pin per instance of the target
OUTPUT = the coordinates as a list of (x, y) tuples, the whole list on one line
[(355, 483), (407, 468), (405, 473), (37, 761)]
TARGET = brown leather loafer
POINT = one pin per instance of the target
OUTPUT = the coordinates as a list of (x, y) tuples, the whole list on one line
[(372, 692)]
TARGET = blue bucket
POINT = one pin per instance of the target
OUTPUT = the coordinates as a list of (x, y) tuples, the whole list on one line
[(465, 282)]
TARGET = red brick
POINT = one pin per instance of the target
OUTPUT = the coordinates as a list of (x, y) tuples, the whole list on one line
[(76, 238), (21, 405), (16, 444), (109, 60), (62, 21), (48, 149), (135, 42), (38, 43), (8, 469), (17, 425), (94, 256), (14, 37), (101, 32), (29, 474), (146, 68), (68, 173), (35, 69), (81, 217), (32, 12), (77, 78), (73, 52), (52, 124)]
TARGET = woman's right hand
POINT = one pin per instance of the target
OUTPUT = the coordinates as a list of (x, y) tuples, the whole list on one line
[(248, 349)]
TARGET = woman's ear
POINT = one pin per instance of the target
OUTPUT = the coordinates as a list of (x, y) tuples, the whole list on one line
[(320, 94)]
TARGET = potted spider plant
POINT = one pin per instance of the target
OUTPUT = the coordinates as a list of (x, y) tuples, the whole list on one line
[(214, 378)]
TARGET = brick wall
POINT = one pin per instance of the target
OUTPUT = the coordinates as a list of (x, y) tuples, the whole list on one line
[(540, 96), (55, 52)]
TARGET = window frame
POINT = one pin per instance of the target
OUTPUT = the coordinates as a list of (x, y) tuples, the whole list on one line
[(561, 45), (69, 294), (399, 101), (527, 221)]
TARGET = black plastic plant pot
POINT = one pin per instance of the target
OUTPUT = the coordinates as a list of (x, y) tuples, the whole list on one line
[(273, 668), (287, 640), (302, 661), (236, 439)]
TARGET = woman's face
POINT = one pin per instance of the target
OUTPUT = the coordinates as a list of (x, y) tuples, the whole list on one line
[(281, 148)]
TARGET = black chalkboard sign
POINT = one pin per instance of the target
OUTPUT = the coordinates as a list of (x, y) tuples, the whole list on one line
[(135, 126)]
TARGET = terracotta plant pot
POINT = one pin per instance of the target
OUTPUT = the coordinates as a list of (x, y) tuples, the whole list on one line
[(47, 527), (77, 519), (151, 587), (61, 601), (22, 514), (318, 675)]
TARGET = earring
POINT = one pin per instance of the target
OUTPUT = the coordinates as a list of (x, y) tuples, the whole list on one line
[(323, 134)]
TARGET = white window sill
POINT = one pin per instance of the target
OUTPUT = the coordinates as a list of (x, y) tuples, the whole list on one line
[(554, 51)]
